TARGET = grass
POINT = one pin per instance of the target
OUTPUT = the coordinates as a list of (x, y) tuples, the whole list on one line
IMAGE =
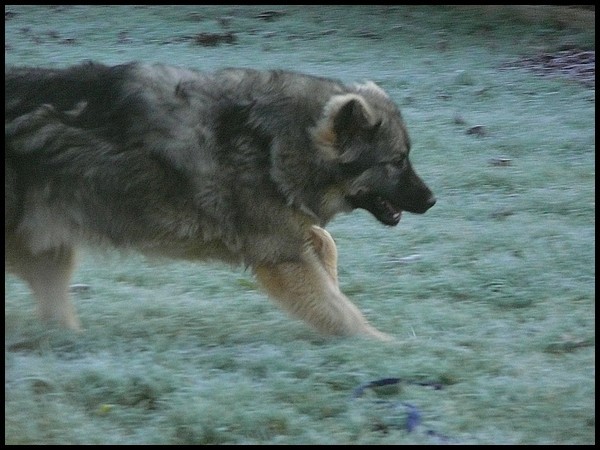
[(491, 293)]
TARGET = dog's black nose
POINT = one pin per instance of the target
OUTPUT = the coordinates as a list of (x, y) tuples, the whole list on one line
[(431, 201), (422, 206)]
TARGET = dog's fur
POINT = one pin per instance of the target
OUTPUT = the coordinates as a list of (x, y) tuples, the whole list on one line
[(238, 165)]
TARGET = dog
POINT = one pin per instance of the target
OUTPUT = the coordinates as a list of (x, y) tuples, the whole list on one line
[(237, 165)]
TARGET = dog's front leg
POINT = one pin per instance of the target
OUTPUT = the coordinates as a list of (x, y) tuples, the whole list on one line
[(324, 246), (308, 290)]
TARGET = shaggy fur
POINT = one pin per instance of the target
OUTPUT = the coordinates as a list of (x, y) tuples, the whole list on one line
[(239, 165)]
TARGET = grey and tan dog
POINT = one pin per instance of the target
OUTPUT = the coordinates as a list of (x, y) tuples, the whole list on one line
[(238, 165)]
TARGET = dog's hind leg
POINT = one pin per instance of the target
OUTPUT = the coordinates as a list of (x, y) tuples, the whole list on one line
[(48, 274), (308, 289)]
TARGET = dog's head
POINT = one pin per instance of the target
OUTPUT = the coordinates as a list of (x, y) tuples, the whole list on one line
[(363, 135)]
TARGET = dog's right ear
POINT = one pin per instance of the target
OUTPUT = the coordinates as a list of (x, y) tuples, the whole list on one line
[(343, 116)]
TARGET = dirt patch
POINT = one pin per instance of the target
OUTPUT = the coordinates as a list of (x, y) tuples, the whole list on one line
[(579, 17), (575, 64)]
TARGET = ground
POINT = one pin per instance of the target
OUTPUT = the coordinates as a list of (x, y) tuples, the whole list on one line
[(491, 293)]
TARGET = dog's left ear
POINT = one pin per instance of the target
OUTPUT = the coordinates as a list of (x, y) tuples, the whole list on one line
[(343, 117), (352, 116)]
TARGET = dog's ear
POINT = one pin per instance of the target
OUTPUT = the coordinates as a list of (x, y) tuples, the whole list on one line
[(343, 117), (351, 116)]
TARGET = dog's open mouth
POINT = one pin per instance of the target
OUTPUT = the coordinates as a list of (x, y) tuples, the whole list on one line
[(390, 215), (381, 208)]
